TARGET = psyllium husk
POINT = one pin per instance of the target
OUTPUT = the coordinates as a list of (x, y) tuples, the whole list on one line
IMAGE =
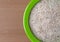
[(45, 20)]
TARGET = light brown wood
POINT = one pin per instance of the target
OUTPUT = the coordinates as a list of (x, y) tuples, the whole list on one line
[(11, 21)]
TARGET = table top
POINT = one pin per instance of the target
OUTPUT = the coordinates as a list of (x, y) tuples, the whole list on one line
[(11, 21)]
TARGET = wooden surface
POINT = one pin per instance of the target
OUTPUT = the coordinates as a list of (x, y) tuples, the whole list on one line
[(11, 18)]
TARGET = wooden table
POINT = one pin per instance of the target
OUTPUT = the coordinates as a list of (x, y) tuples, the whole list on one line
[(11, 21)]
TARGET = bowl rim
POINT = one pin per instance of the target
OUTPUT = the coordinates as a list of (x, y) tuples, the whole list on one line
[(26, 25)]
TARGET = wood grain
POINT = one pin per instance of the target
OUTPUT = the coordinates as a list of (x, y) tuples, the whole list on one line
[(11, 21)]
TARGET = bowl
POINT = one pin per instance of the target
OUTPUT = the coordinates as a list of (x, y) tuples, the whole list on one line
[(26, 25)]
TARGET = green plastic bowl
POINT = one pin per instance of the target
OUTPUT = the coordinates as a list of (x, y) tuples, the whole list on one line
[(26, 25)]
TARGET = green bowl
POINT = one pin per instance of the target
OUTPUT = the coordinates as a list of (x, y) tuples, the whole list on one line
[(26, 25)]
